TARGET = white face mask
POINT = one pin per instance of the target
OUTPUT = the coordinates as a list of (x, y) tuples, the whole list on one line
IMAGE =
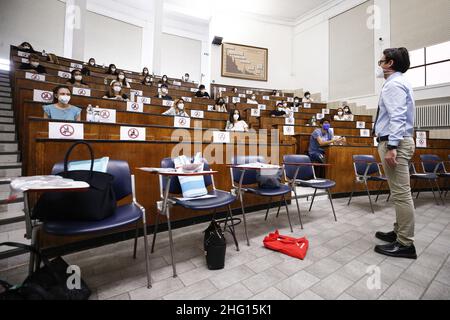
[(253, 98), (181, 106), (117, 89), (145, 71), (346, 110), (148, 80), (78, 78), (379, 72), (165, 91), (92, 63), (236, 117), (121, 77), (64, 99), (186, 78), (307, 97), (340, 113), (165, 79), (113, 70), (35, 64)]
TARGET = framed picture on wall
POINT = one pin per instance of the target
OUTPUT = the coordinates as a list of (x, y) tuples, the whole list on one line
[(244, 62)]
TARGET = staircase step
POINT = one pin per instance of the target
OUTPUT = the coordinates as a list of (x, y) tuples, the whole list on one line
[(7, 127), (4, 82), (5, 89), (9, 146), (7, 135), (6, 106), (4, 94), (7, 119), (9, 157), (6, 99), (12, 170)]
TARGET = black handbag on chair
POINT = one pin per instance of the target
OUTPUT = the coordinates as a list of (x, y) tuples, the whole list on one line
[(94, 204)]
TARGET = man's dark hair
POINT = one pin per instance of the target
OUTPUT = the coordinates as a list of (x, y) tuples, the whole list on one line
[(202, 87), (322, 121), (164, 86), (400, 56)]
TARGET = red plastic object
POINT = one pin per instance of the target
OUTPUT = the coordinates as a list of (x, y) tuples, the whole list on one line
[(296, 248)]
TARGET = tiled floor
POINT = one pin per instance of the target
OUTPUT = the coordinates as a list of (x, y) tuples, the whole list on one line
[(340, 264)]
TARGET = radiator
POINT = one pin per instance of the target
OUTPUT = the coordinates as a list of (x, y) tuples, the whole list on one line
[(433, 116)]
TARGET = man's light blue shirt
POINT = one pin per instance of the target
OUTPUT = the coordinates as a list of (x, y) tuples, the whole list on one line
[(397, 110)]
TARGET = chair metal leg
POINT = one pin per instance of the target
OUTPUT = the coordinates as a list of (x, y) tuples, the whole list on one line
[(432, 190), (418, 193), (331, 201), (245, 220), (389, 196), (232, 229), (268, 208), (298, 208), (351, 195), (312, 201), (287, 211), (135, 240), (171, 243), (413, 187), (279, 208), (379, 191), (155, 232), (370, 199), (147, 261), (439, 191)]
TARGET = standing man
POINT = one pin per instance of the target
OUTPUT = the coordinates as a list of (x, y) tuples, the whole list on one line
[(394, 128)]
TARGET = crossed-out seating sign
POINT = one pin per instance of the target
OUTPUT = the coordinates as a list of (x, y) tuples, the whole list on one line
[(42, 96), (132, 134), (135, 107), (66, 131), (81, 92)]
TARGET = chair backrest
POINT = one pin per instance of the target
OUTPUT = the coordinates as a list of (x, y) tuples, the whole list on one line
[(304, 173), (175, 187), (429, 163), (122, 177), (361, 163), (250, 175), (412, 168)]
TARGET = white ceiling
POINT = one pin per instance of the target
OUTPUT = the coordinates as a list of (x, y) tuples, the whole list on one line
[(289, 10)]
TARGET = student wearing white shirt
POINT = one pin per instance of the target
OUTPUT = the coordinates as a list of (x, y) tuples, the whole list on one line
[(307, 98), (220, 105), (123, 80), (252, 100), (235, 123), (340, 116), (177, 110)]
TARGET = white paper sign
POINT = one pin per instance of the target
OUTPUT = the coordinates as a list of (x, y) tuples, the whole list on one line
[(34, 76), (266, 98), (177, 83), (307, 105), (181, 122), (187, 99), (365, 133), (132, 134), (277, 102), (360, 125), (290, 99), (236, 100), (375, 142), (421, 143), (23, 54), (210, 108), (421, 135), (222, 89), (81, 92), (255, 112), (262, 107), (42, 96), (194, 90), (198, 114), (135, 107), (296, 109), (144, 100), (70, 131), (288, 130), (249, 92), (320, 116), (137, 93), (101, 115), (221, 137), (167, 103), (242, 95), (290, 121), (25, 60), (326, 111), (64, 75), (76, 65)]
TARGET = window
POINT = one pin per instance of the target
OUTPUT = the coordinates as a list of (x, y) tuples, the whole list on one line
[(430, 66), (4, 64)]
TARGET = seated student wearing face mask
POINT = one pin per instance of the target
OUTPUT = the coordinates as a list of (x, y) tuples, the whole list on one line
[(281, 110), (145, 72), (164, 80), (92, 63), (77, 79), (86, 71), (235, 90), (112, 69), (148, 81), (220, 106), (307, 98), (115, 92), (186, 77), (177, 109), (235, 123), (252, 100), (320, 138), (340, 116), (164, 93), (123, 80), (201, 93), (34, 65), (297, 102), (61, 109), (26, 47), (348, 113)]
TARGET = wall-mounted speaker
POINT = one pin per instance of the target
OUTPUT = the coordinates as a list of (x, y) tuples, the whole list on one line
[(217, 41)]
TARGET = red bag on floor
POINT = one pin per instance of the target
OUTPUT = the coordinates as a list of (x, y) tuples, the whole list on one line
[(292, 247)]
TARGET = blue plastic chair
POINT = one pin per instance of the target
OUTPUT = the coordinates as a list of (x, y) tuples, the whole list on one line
[(220, 199), (303, 176), (244, 181), (430, 177), (432, 163), (125, 215), (367, 169)]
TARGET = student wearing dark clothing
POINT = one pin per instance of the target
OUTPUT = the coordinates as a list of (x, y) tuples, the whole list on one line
[(164, 93), (112, 69), (26, 47), (201, 93), (34, 65)]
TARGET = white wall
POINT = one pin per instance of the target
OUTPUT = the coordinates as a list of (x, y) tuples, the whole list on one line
[(244, 30), (181, 55), (39, 22), (113, 41)]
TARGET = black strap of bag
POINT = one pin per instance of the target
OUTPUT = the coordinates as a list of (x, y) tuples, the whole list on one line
[(66, 157)]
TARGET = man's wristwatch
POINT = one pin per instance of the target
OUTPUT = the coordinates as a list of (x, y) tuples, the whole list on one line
[(389, 147)]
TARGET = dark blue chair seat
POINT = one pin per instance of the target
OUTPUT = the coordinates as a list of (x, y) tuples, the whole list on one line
[(221, 199), (282, 190), (444, 175), (376, 178), (424, 176), (123, 216), (326, 184)]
